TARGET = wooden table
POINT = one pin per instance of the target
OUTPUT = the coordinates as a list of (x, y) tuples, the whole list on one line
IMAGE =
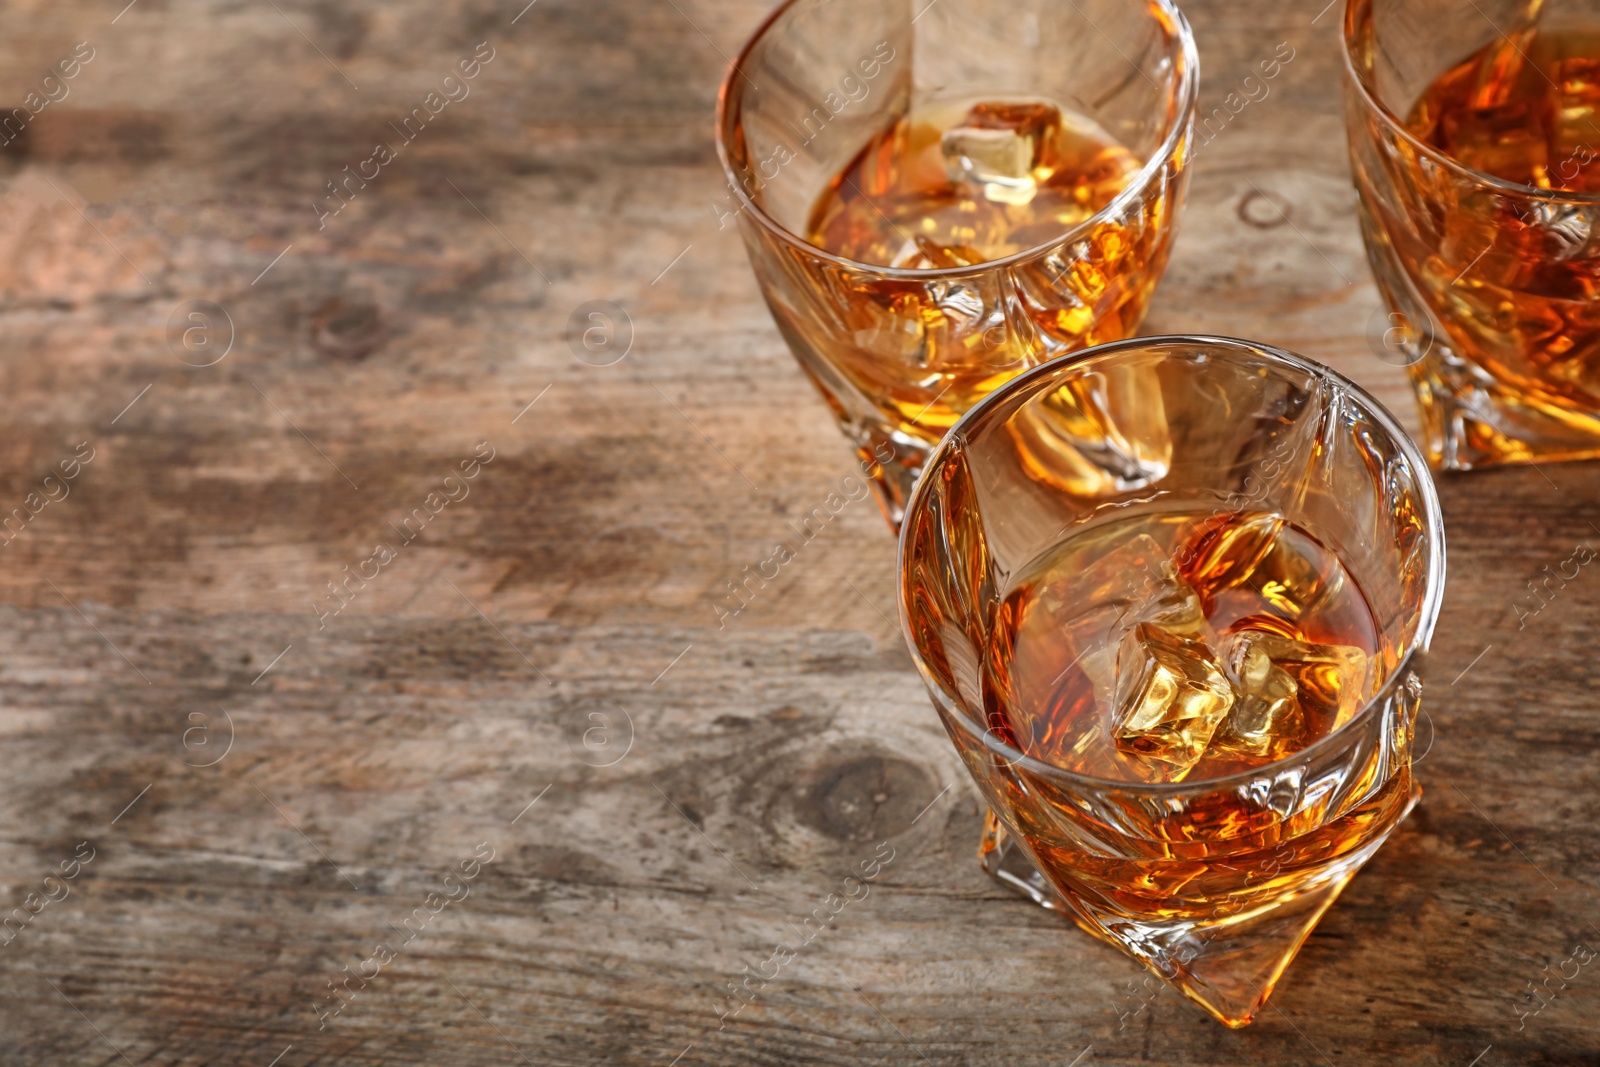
[(270, 790)]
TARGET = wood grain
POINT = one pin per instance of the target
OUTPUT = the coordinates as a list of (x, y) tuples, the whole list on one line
[(540, 669)]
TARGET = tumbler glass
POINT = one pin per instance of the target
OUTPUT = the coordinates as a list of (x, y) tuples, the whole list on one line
[(899, 353), (1491, 282), (1212, 881)]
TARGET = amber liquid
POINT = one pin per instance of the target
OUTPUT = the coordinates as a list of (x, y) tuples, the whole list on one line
[(1522, 109), (1213, 581), (906, 199), (1514, 281), (961, 184), (1221, 853)]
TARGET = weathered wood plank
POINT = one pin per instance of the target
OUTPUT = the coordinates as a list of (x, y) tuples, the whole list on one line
[(734, 775)]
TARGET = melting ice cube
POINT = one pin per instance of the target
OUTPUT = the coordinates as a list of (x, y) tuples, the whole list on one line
[(1134, 582), (1290, 692), (924, 253), (998, 146), (1266, 720), (1170, 602), (1171, 695)]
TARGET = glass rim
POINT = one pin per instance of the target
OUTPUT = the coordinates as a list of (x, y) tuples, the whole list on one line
[(1427, 611), (1392, 123), (1188, 95)]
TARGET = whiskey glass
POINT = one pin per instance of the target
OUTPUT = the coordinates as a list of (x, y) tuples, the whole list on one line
[(1490, 283), (1212, 882), (900, 353)]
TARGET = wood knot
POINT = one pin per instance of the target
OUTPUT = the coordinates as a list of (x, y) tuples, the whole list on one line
[(1262, 211), (868, 798), (347, 330)]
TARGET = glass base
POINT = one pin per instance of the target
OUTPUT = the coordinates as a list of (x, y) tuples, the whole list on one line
[(891, 463), (1472, 421), (1227, 966), (1004, 860), (1469, 418)]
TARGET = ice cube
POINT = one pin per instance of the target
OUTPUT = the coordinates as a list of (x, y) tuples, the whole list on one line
[(1578, 79), (1169, 601), (1330, 682), (924, 253), (1036, 120), (1266, 720), (1114, 584), (1171, 695), (1130, 582), (998, 146), (1108, 584)]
